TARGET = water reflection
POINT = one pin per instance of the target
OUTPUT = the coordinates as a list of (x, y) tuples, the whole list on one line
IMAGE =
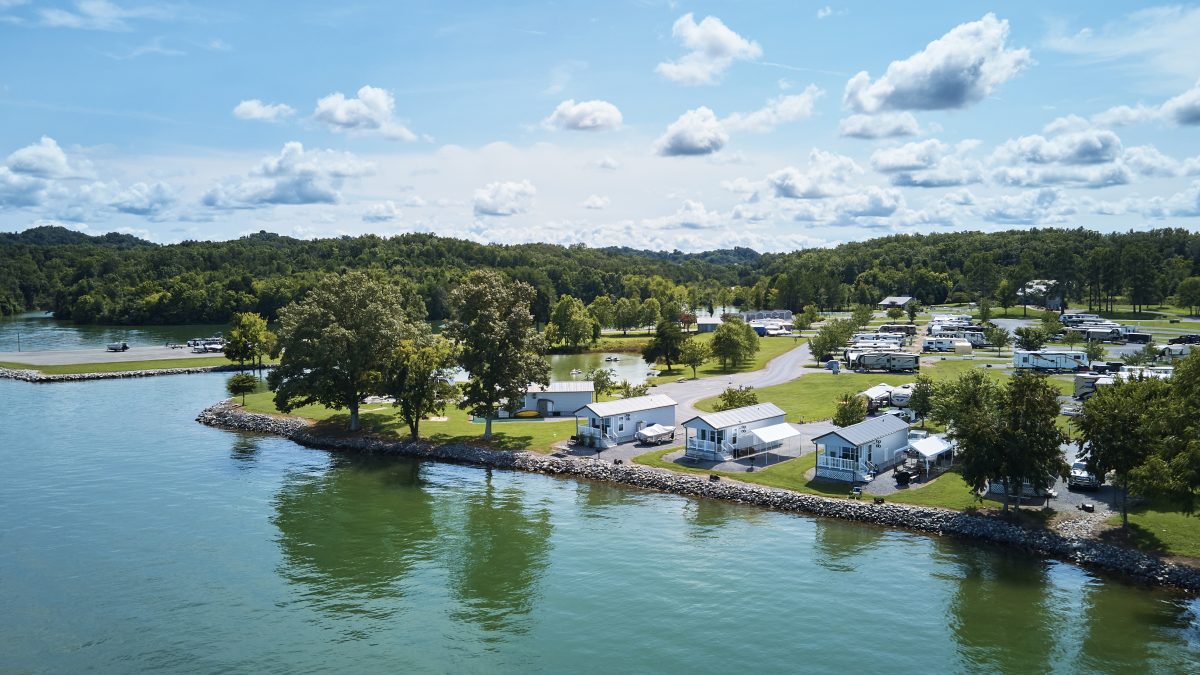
[(500, 554), (839, 547), (351, 534), (1000, 612), (244, 450)]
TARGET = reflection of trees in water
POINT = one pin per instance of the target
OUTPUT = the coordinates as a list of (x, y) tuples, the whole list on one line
[(244, 449), (502, 552), (352, 533), (595, 494), (710, 518), (1131, 629), (839, 546), (1001, 614)]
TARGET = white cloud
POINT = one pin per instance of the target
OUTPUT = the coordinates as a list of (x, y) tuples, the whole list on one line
[(1123, 115), (885, 125), (1156, 42), (504, 198), (908, 157), (1146, 160), (18, 190), (1181, 204), (779, 110), (584, 116), (692, 215), (958, 69), (1094, 176), (370, 113), (295, 176), (713, 48), (1031, 207), (255, 109), (1088, 146), (381, 212), (827, 174), (43, 159), (100, 15), (825, 12), (607, 163), (1185, 108), (696, 132), (596, 202), (143, 199)]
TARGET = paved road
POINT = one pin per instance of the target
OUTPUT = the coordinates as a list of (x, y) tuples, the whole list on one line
[(783, 368), (64, 357)]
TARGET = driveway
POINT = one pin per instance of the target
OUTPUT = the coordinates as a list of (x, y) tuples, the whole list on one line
[(783, 368)]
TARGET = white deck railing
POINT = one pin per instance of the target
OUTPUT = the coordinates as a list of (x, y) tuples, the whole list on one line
[(839, 463)]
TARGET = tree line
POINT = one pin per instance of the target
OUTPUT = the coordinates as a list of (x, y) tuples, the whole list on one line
[(119, 279)]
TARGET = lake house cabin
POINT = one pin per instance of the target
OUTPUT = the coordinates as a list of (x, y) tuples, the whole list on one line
[(609, 423), (559, 398), (857, 452), (731, 434)]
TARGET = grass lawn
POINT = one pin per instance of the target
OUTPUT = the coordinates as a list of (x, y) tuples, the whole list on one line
[(947, 491), (789, 475), (768, 348), (123, 366), (1166, 532), (536, 436)]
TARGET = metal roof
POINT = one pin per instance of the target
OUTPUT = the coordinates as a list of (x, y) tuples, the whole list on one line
[(628, 405), (896, 300), (736, 416), (562, 387), (869, 430), (878, 391)]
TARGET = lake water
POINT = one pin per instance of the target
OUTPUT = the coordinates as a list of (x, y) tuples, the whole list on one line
[(132, 538), (36, 331)]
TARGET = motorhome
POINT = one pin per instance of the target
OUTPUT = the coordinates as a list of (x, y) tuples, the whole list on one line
[(1102, 334), (892, 362), (1075, 319), (1051, 359), (975, 338), (903, 328)]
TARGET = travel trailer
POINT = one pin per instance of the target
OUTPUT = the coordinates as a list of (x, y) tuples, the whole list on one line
[(903, 328), (947, 344), (892, 362), (977, 339), (1076, 319), (1051, 359)]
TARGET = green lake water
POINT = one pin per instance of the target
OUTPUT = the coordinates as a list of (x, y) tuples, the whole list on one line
[(133, 539)]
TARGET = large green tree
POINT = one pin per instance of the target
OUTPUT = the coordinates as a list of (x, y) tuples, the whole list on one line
[(693, 354), (851, 409), (570, 324), (419, 376), (501, 349), (666, 345), (336, 342), (734, 342), (249, 340)]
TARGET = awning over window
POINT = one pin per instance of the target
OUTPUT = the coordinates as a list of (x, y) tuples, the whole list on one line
[(774, 433)]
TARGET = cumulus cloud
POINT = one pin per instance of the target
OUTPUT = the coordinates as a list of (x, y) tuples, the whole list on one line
[(1184, 108), (255, 109), (371, 112), (17, 190), (504, 198), (958, 69), (827, 174), (885, 125), (294, 176), (1087, 146), (1027, 208), (596, 202), (1147, 160), (584, 116), (696, 132), (381, 213), (1124, 115), (142, 199), (929, 164), (908, 157), (1184, 204), (779, 110), (44, 159), (712, 46), (607, 163), (692, 215)]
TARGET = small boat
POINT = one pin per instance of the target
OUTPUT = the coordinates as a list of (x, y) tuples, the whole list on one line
[(576, 371), (612, 358), (118, 347)]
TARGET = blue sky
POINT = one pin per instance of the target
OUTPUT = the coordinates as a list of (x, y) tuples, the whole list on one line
[(664, 125)]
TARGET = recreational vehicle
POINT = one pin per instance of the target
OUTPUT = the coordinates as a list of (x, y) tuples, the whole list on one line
[(901, 395), (947, 344), (902, 328), (892, 362), (1076, 319), (1051, 359), (975, 338)]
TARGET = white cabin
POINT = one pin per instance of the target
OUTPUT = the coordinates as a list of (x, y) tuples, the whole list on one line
[(857, 452), (611, 422), (559, 398), (730, 434), (1051, 359)]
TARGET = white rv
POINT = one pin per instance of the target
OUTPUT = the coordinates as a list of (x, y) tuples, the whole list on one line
[(1051, 359), (947, 344), (892, 362), (976, 339), (1076, 319)]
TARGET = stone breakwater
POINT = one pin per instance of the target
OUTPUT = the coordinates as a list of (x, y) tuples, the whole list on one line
[(1088, 553), (39, 377)]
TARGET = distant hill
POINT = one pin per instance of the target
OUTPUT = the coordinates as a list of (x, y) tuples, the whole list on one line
[(55, 235)]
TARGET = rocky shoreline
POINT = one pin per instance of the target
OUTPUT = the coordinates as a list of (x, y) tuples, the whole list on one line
[(38, 377), (1089, 553)]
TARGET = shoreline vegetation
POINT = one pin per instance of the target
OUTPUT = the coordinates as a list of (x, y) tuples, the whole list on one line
[(1089, 553)]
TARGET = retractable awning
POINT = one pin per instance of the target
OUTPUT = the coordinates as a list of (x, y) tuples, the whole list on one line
[(774, 433)]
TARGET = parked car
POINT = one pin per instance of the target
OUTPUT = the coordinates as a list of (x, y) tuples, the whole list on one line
[(1189, 339), (1081, 478)]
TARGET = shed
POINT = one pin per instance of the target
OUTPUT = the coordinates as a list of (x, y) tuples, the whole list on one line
[(891, 301), (611, 422), (558, 398), (740, 432), (859, 451), (707, 324)]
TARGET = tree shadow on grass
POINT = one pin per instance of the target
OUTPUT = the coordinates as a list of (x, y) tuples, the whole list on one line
[(1135, 536), (500, 440)]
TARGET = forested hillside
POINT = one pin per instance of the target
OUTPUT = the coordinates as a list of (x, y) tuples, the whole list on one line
[(119, 279)]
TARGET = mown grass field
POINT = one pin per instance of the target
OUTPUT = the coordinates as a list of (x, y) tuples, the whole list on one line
[(789, 475), (1163, 531), (381, 419), (123, 366), (768, 348)]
